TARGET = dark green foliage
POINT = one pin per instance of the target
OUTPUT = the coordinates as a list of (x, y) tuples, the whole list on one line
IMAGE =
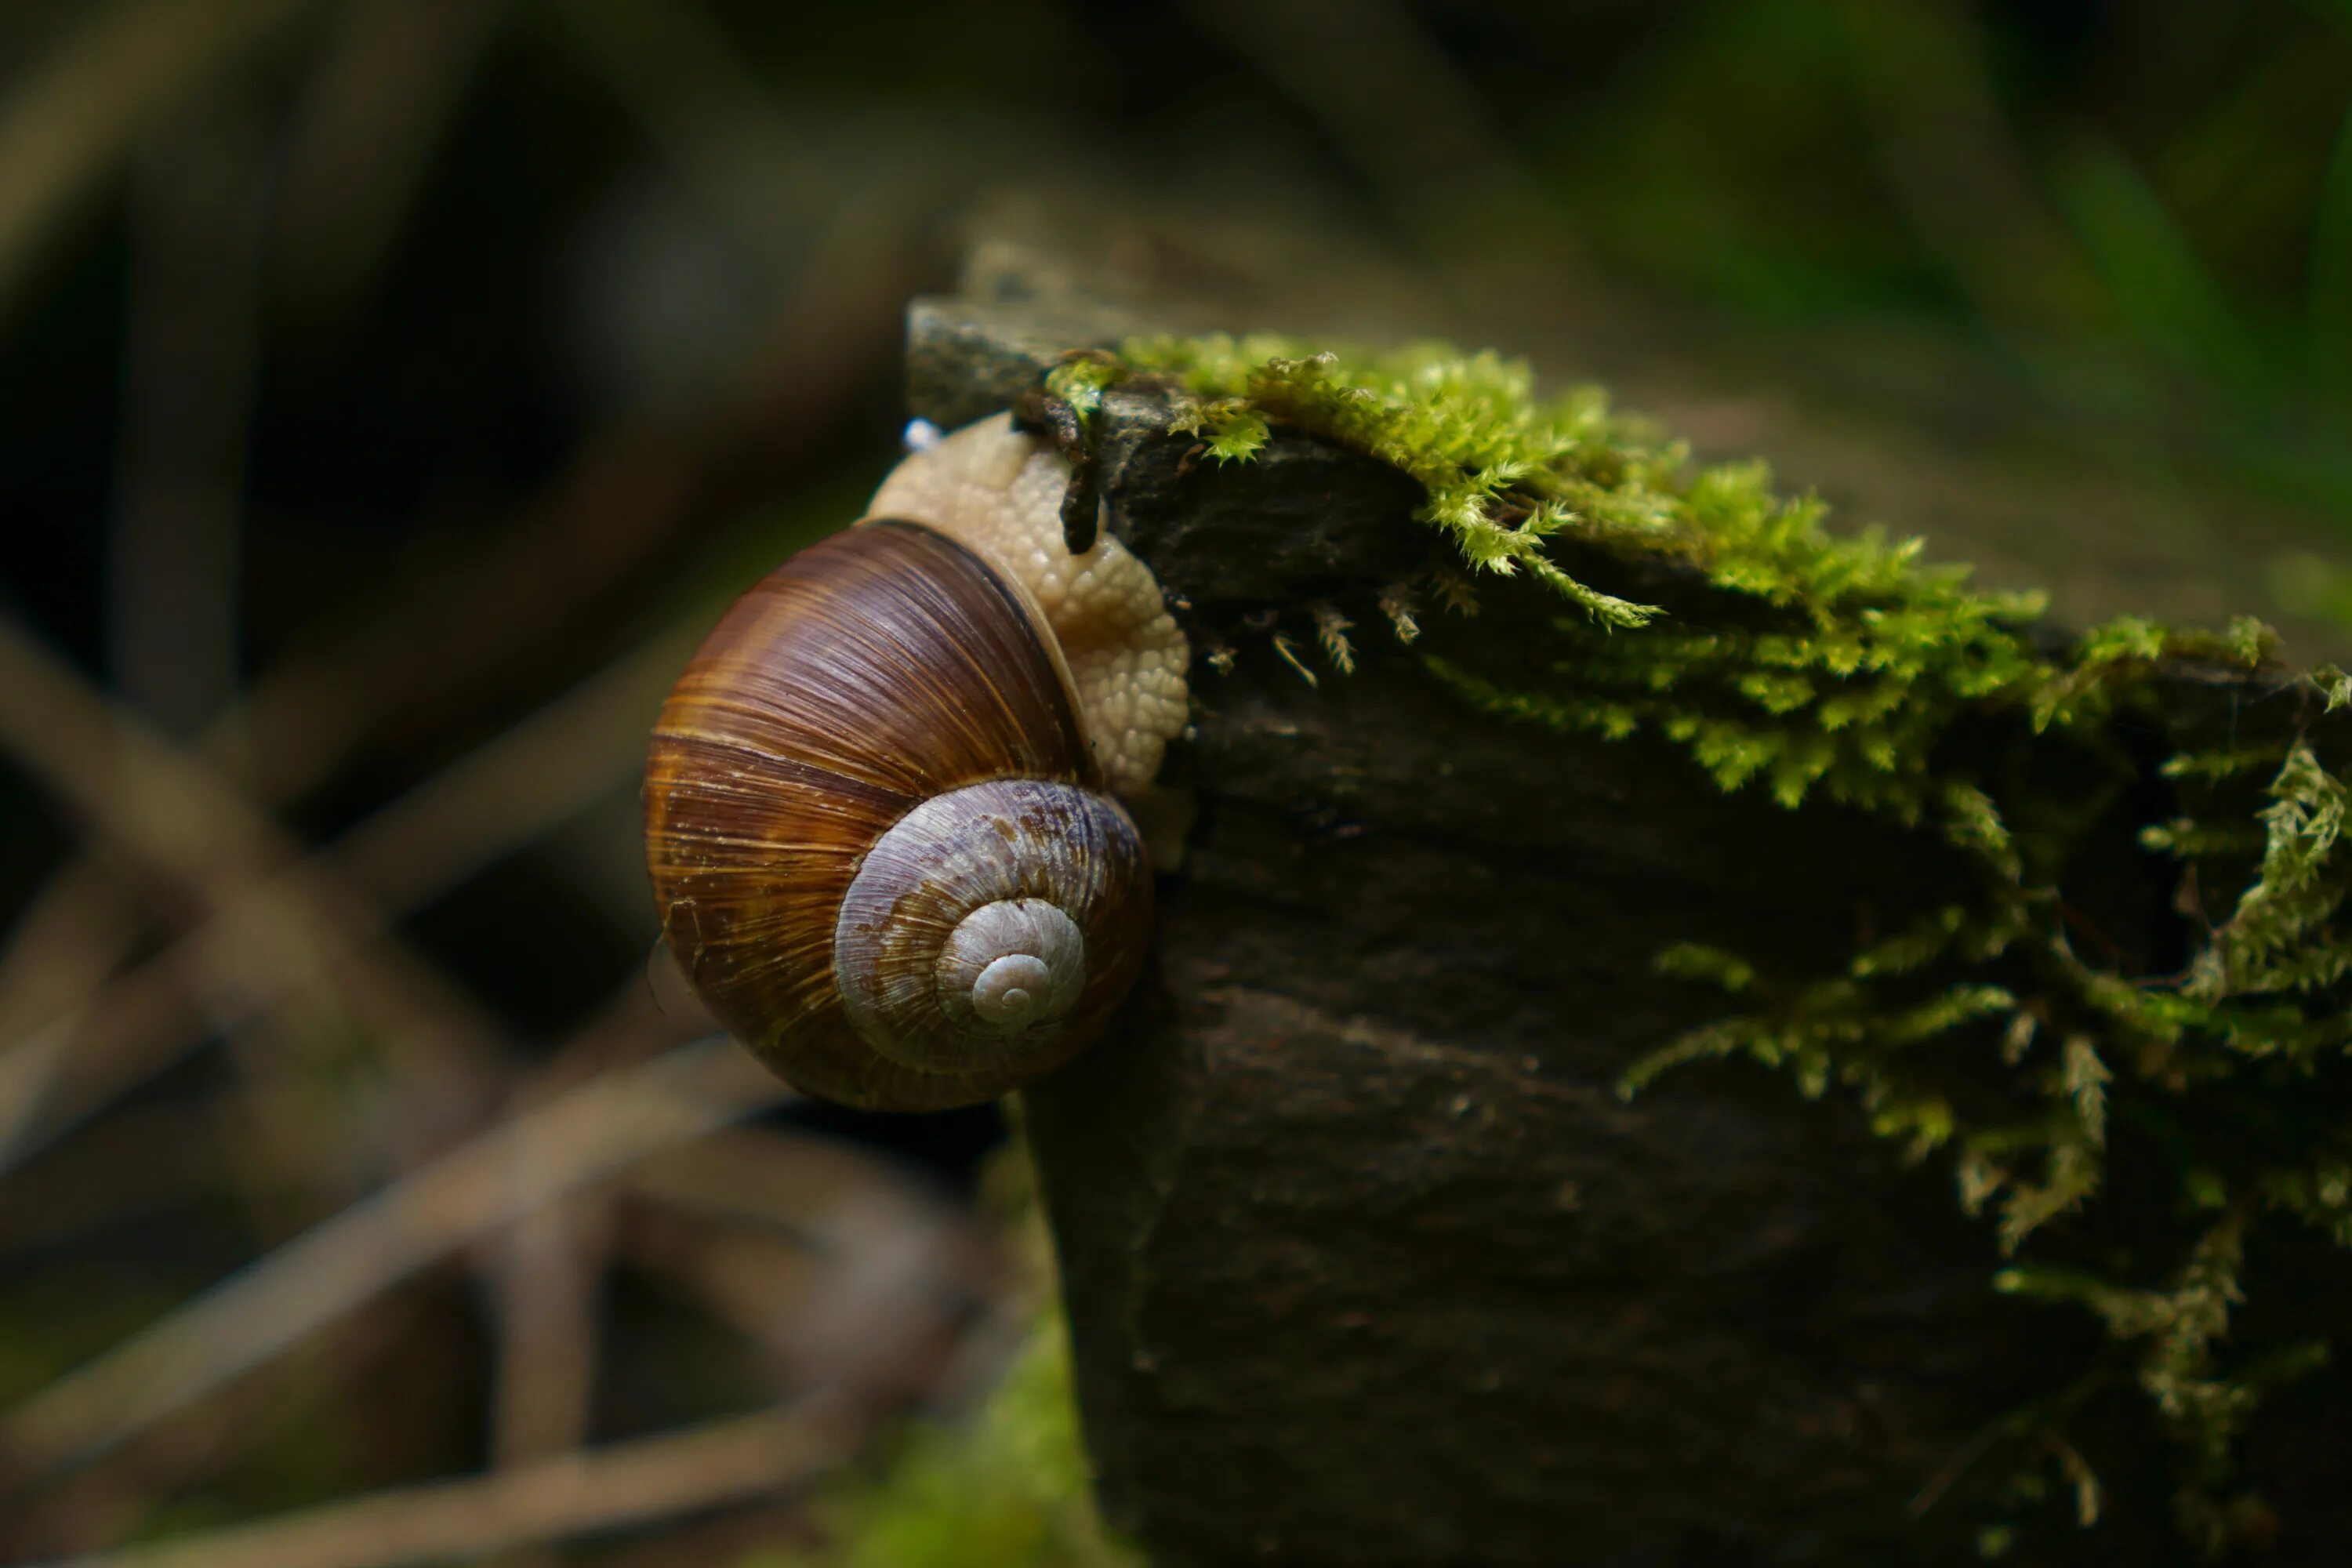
[(2001, 1030)]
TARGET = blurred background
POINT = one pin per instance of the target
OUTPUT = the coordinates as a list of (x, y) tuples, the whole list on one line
[(392, 391)]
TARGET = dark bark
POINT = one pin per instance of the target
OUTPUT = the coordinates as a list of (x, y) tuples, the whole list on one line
[(1366, 1261)]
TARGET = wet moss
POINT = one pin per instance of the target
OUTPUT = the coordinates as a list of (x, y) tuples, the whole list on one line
[(2202, 1070)]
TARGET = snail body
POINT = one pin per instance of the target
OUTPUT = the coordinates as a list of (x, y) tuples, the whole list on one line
[(881, 817)]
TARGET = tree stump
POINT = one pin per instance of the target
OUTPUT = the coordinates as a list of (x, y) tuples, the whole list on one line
[(1366, 1260)]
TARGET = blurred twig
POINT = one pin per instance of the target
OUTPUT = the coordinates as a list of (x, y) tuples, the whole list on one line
[(95, 1505), (652, 1478), (389, 81), (508, 793), (188, 377), (99, 1505), (484, 1185), (149, 1159), (787, 1183), (625, 496), (66, 127), (753, 1283), (172, 813), (836, 1262), (190, 364), (714, 119), (546, 1277), (531, 777), (56, 958), (630, 489)]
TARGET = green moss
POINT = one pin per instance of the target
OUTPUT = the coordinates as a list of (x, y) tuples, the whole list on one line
[(1842, 667), (1009, 1489)]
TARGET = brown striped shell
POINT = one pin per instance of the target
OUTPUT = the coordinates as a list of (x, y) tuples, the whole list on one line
[(879, 846)]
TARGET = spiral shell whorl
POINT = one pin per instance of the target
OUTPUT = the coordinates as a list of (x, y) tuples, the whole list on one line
[(872, 676), (1014, 962), (993, 923)]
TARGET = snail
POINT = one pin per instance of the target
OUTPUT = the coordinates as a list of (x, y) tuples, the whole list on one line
[(882, 803)]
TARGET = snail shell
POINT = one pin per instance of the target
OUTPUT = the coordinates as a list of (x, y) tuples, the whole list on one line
[(880, 842)]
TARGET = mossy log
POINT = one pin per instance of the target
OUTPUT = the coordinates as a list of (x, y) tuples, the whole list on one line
[(1368, 1258)]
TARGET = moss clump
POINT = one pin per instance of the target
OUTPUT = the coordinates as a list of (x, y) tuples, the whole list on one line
[(1009, 1489), (2001, 1030)]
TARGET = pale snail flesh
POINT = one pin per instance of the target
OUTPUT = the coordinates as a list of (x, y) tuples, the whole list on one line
[(879, 814)]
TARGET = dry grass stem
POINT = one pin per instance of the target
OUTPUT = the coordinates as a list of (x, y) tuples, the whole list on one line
[(499, 797), (376, 111), (66, 126), (757, 1176), (105, 1502), (629, 490), (176, 544), (847, 1271), (628, 1483), (755, 1284), (174, 814), (81, 925), (627, 493), (514, 789), (546, 1273), (471, 1192), (149, 1159)]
